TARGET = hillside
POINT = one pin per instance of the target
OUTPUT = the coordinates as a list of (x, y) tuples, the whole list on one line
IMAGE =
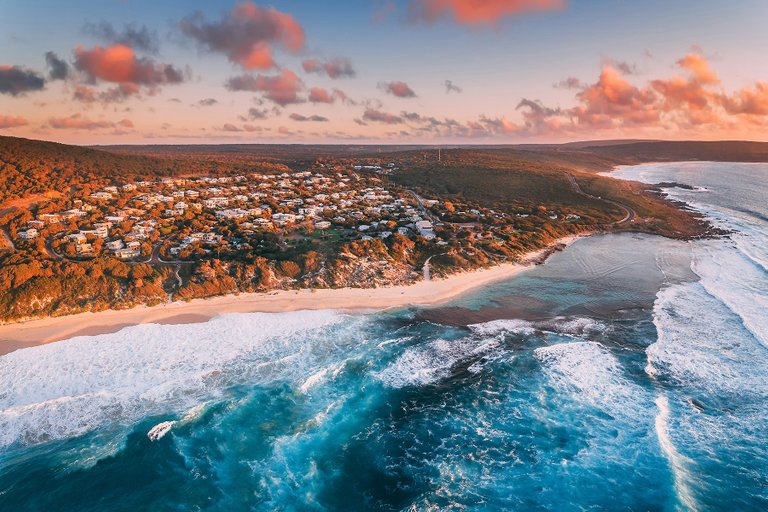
[(31, 167), (670, 151), (511, 178)]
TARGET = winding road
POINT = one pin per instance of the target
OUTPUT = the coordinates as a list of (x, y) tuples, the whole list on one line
[(630, 213)]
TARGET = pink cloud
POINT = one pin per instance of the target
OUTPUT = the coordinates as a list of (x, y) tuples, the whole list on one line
[(749, 101), (397, 88), (479, 12), (12, 121), (282, 89), (119, 64), (247, 34), (320, 95), (80, 122), (381, 117)]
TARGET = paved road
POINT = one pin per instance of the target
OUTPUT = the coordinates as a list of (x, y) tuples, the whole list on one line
[(51, 253), (629, 212), (426, 211)]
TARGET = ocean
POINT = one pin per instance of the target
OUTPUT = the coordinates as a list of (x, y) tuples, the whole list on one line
[(630, 372)]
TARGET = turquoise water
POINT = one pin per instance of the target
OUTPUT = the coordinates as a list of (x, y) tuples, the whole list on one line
[(628, 373)]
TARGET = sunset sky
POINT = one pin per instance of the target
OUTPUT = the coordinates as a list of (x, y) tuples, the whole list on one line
[(379, 71)]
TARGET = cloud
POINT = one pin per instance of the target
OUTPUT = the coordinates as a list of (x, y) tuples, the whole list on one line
[(478, 12), (12, 121), (58, 69), (623, 67), (748, 101), (569, 83), (383, 10), (79, 122), (613, 100), (537, 107), (16, 80), (207, 102), (691, 101), (398, 89), (690, 97), (315, 118), (119, 64), (138, 37), (255, 114), (282, 89), (229, 127), (699, 66), (410, 116), (247, 34), (121, 92), (320, 95), (335, 68), (378, 116), (451, 87), (342, 96)]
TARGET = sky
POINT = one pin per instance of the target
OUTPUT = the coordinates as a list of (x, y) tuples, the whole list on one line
[(382, 71)]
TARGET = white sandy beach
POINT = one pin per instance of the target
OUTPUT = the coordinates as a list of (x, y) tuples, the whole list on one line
[(36, 332)]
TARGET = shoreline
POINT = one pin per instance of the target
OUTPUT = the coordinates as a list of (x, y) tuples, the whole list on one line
[(422, 293)]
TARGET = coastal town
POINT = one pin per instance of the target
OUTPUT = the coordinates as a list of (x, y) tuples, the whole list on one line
[(185, 219)]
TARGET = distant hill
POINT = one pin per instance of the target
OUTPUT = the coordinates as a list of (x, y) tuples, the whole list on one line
[(29, 167), (669, 151)]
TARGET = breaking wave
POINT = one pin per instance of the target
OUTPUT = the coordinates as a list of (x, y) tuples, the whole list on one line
[(146, 370)]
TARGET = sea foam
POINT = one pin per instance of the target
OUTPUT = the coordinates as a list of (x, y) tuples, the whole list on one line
[(68, 388)]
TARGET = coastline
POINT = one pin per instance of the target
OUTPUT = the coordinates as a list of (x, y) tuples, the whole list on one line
[(52, 329)]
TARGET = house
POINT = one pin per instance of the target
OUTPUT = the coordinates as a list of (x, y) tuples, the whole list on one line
[(425, 229), (212, 238), (71, 214), (78, 238), (231, 214), (281, 219), (115, 245), (126, 254), (323, 224), (214, 202), (29, 234), (100, 232), (84, 249), (50, 218)]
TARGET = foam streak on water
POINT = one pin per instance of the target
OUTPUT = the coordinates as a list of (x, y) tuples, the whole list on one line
[(712, 344)]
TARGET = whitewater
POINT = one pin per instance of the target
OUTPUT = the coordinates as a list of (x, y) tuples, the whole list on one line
[(628, 373)]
